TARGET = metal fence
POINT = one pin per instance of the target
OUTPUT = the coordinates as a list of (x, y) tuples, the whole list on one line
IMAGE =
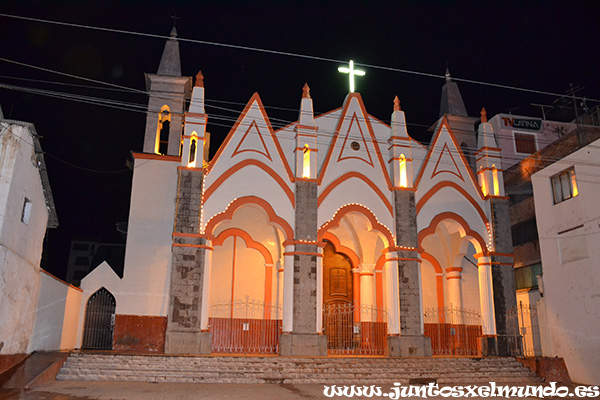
[(355, 330), (524, 319), (245, 327), (453, 331)]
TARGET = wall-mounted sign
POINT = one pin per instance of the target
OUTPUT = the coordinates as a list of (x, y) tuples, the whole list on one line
[(529, 124)]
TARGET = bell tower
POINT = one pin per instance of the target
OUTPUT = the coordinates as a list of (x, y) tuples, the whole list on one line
[(168, 91)]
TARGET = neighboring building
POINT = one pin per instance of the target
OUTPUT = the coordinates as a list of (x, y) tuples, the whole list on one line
[(567, 194), (26, 212), (85, 255), (336, 217)]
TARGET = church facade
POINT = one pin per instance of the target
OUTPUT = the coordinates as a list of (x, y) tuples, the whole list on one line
[(338, 234)]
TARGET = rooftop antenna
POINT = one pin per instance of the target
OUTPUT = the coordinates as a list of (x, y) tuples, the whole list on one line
[(510, 110), (542, 107)]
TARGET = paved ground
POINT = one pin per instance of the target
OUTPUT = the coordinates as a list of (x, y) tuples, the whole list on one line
[(77, 390)]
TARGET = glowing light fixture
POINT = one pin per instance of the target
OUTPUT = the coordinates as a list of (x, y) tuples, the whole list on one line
[(403, 176), (574, 183), (495, 178), (351, 72), (306, 162)]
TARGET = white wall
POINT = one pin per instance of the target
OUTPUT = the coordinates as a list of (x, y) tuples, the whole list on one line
[(20, 243), (571, 283), (57, 315)]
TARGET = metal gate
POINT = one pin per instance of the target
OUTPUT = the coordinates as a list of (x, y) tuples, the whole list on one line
[(453, 331), (245, 327), (99, 321), (353, 330), (524, 319)]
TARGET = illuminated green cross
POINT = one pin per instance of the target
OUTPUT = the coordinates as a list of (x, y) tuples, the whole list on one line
[(351, 72)]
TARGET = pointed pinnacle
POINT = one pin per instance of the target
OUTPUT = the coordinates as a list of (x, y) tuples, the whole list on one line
[(199, 79), (305, 91), (484, 115), (448, 76), (396, 104)]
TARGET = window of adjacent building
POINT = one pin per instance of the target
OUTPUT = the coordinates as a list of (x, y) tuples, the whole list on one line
[(524, 232), (525, 143), (26, 213), (564, 185), (81, 261), (526, 277)]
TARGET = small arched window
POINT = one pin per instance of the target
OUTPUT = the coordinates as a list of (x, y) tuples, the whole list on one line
[(192, 158), (164, 127)]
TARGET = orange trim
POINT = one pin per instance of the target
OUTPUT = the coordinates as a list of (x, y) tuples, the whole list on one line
[(439, 281), (303, 253), (399, 158), (305, 180), (196, 246), (398, 138), (302, 149), (379, 295), (160, 157), (356, 288), (435, 169), (492, 196), (489, 169), (440, 185), (233, 207), (407, 189), (255, 98), (180, 167), (446, 124), (223, 177), (357, 175), (238, 151), (488, 149), (193, 235), (454, 269), (342, 118), (348, 252), (408, 259), (291, 242), (452, 277), (430, 230), (366, 274), (308, 128), (61, 281), (335, 222), (340, 158)]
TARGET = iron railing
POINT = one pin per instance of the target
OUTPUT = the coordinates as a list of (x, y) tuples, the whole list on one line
[(523, 319), (453, 331)]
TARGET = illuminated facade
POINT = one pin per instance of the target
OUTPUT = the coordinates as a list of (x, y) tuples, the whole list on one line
[(336, 234)]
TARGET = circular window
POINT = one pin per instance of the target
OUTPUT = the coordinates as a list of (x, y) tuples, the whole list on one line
[(355, 146)]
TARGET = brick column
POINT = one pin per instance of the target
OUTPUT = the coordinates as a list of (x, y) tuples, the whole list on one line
[(189, 273), (411, 342), (503, 279), (304, 339)]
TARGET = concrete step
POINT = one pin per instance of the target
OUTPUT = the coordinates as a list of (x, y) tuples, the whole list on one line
[(352, 370)]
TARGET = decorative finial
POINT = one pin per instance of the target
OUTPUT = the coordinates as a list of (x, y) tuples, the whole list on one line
[(199, 79), (397, 104), (174, 33), (305, 91), (448, 79), (483, 115)]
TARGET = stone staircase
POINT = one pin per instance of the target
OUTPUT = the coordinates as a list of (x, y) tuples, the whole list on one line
[(290, 370)]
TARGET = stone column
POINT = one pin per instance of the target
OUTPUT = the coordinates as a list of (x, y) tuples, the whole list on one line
[(411, 342), (190, 272), (320, 290), (304, 339), (486, 298), (503, 279)]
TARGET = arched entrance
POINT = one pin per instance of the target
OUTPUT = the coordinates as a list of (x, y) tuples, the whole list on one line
[(99, 321)]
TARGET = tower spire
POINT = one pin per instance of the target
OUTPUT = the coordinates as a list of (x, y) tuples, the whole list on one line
[(170, 63)]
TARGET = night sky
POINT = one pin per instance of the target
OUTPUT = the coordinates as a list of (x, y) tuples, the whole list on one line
[(543, 46)]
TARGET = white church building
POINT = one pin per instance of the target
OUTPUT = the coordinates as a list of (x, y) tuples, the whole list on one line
[(337, 234)]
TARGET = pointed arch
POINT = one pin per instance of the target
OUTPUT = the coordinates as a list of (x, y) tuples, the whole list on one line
[(478, 241), (375, 224)]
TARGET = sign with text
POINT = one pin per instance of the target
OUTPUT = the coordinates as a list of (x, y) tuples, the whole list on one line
[(529, 124)]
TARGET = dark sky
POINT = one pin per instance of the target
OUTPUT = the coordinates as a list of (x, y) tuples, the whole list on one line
[(539, 45)]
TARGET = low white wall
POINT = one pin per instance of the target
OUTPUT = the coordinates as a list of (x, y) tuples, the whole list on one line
[(57, 315)]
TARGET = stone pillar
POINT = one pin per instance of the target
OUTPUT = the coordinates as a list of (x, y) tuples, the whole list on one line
[(320, 290), (411, 342), (189, 272), (503, 279), (304, 339), (486, 298)]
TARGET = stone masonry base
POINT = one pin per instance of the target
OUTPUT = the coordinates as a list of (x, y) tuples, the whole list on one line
[(302, 344), (409, 346), (188, 342)]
